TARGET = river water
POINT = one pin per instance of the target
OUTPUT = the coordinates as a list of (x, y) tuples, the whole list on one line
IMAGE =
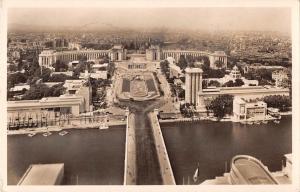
[(96, 157), (212, 144), (91, 156)]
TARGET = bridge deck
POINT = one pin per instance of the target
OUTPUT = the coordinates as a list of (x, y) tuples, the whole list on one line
[(148, 170)]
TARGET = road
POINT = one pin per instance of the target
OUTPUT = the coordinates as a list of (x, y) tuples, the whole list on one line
[(148, 170)]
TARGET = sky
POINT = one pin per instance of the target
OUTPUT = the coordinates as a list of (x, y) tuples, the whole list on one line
[(201, 18)]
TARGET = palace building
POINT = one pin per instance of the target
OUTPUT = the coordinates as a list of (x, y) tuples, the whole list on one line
[(118, 53), (155, 53), (48, 57)]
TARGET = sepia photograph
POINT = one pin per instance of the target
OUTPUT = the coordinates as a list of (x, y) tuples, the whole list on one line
[(151, 95)]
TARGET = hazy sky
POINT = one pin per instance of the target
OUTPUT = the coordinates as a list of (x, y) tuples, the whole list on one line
[(274, 19)]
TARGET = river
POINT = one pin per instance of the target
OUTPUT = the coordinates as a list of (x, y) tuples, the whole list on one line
[(91, 156), (212, 144)]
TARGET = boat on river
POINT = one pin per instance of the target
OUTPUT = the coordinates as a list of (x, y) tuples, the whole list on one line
[(63, 133), (47, 134), (31, 134), (103, 126), (276, 121)]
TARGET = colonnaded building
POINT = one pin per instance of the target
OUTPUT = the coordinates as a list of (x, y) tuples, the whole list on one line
[(118, 53)]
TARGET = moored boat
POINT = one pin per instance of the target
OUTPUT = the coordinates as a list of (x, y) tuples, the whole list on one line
[(103, 126), (63, 133), (47, 134), (31, 134)]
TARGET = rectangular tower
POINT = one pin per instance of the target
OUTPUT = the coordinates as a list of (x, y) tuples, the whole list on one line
[(193, 84)]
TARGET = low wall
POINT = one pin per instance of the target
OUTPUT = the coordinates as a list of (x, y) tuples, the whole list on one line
[(163, 158)]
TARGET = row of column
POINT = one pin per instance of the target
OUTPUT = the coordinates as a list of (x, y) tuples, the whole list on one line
[(223, 59), (46, 61), (74, 56), (176, 55), (193, 86)]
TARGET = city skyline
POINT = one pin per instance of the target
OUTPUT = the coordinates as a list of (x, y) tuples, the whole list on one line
[(93, 19)]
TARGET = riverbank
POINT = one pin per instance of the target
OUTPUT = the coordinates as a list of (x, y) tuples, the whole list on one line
[(64, 127), (226, 119)]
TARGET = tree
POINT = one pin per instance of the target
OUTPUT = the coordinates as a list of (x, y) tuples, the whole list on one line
[(111, 69), (15, 78), (278, 101), (221, 105), (12, 68), (214, 83), (186, 110), (204, 84), (164, 67), (46, 73), (56, 90), (60, 66), (190, 61), (40, 90), (219, 64), (182, 63), (36, 91), (82, 58), (238, 82), (79, 69), (229, 84), (61, 78)]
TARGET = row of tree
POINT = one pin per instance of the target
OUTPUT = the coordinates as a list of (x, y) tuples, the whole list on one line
[(221, 105), (283, 103), (40, 90)]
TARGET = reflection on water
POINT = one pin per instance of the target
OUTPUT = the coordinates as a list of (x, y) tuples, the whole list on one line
[(91, 156), (213, 144)]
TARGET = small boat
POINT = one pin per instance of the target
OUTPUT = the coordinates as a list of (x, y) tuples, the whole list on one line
[(31, 134), (243, 122), (265, 122), (257, 122), (47, 134), (63, 133), (250, 122), (276, 121), (103, 126)]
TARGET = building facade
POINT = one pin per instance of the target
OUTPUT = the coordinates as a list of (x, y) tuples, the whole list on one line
[(155, 53), (244, 110), (279, 76), (76, 100), (48, 57)]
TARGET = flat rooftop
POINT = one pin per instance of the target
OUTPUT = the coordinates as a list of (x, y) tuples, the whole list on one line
[(42, 174)]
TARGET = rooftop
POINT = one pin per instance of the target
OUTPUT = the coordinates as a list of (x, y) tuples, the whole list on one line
[(193, 70), (42, 174), (253, 171)]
